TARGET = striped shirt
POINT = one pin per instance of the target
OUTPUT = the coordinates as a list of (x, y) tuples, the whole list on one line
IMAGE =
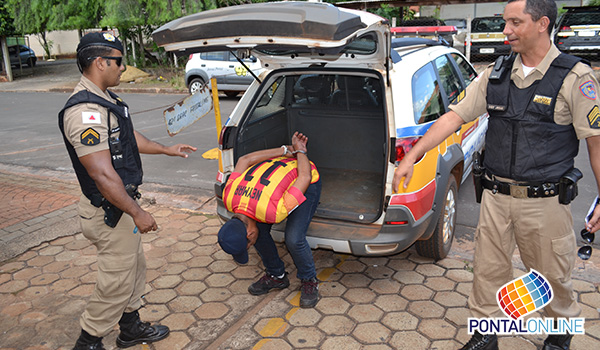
[(265, 192)]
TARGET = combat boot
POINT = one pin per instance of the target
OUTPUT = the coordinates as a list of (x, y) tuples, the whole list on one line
[(482, 342), (87, 341), (134, 331), (558, 342)]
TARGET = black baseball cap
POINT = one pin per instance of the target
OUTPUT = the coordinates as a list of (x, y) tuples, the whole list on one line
[(100, 39), (232, 238)]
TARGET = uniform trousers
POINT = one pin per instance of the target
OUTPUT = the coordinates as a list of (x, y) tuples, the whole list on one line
[(121, 276), (542, 228)]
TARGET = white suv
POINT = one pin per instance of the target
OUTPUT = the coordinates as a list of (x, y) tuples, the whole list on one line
[(364, 100), (232, 76)]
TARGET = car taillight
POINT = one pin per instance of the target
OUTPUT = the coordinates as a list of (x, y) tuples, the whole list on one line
[(565, 28), (221, 137), (405, 144), (191, 55), (506, 42)]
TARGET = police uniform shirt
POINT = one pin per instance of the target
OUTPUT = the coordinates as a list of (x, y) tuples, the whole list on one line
[(86, 126), (577, 101), (265, 192)]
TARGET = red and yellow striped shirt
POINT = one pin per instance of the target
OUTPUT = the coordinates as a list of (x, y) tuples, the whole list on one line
[(265, 192)]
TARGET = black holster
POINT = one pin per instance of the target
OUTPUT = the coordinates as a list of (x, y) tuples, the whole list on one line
[(112, 214), (478, 174), (567, 186)]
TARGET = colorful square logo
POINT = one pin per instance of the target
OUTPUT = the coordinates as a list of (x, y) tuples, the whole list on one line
[(524, 295)]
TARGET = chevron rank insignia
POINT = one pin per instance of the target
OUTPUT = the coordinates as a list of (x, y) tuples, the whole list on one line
[(90, 137), (593, 118)]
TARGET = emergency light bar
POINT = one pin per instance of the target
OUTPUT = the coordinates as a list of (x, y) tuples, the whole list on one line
[(436, 30)]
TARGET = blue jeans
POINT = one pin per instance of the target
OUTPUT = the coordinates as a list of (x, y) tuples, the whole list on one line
[(295, 238)]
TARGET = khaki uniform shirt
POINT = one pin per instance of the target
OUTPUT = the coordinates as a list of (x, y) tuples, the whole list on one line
[(79, 119), (577, 101)]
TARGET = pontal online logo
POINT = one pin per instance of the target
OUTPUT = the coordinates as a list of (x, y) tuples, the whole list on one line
[(519, 298)]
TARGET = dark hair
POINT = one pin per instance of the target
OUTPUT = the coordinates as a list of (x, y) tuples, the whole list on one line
[(540, 8), (87, 55)]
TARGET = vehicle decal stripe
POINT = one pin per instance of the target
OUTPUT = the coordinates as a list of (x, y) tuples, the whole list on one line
[(417, 130), (418, 202)]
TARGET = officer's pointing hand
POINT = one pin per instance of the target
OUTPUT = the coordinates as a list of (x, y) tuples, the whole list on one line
[(404, 170), (180, 150)]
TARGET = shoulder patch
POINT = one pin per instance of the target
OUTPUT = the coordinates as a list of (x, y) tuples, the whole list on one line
[(90, 137), (588, 89), (594, 118), (91, 118)]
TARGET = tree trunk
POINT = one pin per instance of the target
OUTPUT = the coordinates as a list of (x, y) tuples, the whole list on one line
[(141, 42), (6, 57)]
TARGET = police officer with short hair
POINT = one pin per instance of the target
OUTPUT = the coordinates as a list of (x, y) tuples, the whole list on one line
[(105, 151), (540, 103)]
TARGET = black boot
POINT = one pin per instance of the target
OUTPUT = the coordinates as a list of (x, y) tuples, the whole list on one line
[(87, 341), (558, 342), (482, 342), (134, 331)]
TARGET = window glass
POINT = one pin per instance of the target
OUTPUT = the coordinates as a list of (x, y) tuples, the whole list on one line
[(469, 74), (449, 79), (427, 101), (487, 24), (213, 55), (271, 100)]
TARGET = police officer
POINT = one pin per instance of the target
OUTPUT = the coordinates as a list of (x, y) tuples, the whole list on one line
[(105, 152), (540, 102)]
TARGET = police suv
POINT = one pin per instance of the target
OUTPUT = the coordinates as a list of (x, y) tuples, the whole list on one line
[(364, 99)]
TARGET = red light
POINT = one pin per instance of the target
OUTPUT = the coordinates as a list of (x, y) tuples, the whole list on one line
[(506, 42), (396, 222), (221, 137), (404, 145), (565, 28), (191, 55)]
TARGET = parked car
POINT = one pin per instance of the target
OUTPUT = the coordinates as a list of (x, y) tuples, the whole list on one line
[(429, 22), (578, 30), (20, 55), (363, 100), (487, 37), (461, 32), (232, 76)]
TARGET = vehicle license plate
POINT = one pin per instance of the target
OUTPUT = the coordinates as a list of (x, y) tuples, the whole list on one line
[(491, 50), (586, 33)]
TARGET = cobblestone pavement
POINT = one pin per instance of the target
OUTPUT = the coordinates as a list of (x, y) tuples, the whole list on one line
[(398, 302)]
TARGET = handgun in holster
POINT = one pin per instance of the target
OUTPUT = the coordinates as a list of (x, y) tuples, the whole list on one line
[(478, 174), (567, 186), (112, 214)]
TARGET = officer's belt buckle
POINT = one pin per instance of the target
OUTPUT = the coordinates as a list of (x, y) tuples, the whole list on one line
[(517, 191)]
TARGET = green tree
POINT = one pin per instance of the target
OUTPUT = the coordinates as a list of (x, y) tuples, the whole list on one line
[(6, 20), (77, 14), (33, 17)]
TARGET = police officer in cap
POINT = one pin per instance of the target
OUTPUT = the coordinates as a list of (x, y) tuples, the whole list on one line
[(105, 151), (541, 103)]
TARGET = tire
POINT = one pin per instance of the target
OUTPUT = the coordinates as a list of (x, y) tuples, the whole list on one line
[(31, 62), (439, 244), (195, 85), (231, 94)]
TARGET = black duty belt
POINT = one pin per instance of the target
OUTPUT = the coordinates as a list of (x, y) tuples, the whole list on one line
[(521, 190), (96, 199)]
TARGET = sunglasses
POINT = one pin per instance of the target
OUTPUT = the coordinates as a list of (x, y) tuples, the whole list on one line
[(118, 59), (585, 252)]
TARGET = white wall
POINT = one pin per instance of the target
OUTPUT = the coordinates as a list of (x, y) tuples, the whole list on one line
[(65, 42)]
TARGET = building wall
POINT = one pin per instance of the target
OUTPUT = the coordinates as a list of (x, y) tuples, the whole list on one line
[(64, 43), (482, 9)]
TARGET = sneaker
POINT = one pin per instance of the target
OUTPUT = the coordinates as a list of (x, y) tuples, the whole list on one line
[(268, 282), (558, 342), (309, 293), (482, 342)]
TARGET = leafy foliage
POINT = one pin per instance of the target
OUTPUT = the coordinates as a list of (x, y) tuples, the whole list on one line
[(6, 20)]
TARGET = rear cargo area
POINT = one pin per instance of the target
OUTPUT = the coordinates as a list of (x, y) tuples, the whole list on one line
[(344, 118)]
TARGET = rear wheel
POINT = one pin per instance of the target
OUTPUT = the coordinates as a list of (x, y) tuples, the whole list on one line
[(195, 85), (439, 244), (31, 62)]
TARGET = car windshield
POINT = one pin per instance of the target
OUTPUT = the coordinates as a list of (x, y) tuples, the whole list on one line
[(493, 24), (458, 23), (581, 18)]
